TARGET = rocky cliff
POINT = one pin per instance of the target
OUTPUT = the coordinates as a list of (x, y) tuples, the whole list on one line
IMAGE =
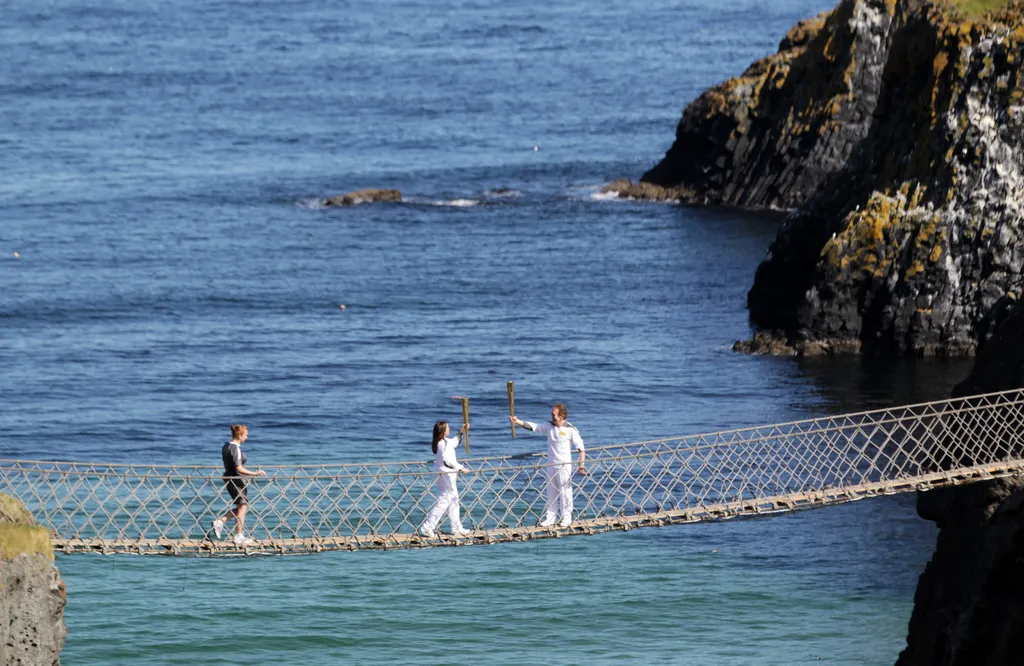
[(769, 137), (32, 595), (895, 129), (969, 605), (914, 246)]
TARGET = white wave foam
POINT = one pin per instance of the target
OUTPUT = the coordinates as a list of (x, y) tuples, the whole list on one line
[(457, 203), (604, 196)]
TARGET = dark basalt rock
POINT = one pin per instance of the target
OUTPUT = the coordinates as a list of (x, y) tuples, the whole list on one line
[(969, 604), (895, 128), (914, 248), (372, 195)]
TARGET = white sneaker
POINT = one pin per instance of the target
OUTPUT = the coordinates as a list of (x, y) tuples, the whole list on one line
[(547, 522), (218, 528), (461, 531), (566, 521), (242, 540), (427, 532)]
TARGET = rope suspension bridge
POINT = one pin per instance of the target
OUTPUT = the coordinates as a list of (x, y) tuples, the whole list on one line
[(764, 470)]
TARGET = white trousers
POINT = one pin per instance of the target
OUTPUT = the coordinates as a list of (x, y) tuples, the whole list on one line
[(559, 491), (447, 500)]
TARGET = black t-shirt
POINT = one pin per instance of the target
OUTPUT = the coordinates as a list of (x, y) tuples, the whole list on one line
[(233, 458)]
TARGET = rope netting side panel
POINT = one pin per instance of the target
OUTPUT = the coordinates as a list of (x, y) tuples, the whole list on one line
[(379, 505)]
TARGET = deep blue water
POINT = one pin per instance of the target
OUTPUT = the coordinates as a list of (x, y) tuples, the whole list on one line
[(163, 164)]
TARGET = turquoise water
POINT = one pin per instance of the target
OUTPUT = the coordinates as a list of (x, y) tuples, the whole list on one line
[(163, 169), (831, 592)]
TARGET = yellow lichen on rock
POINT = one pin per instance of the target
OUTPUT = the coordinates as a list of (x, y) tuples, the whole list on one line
[(918, 195), (987, 68), (925, 233), (805, 31), (939, 65), (915, 268), (830, 253), (862, 244), (873, 237)]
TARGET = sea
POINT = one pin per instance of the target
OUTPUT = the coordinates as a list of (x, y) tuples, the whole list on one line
[(168, 268)]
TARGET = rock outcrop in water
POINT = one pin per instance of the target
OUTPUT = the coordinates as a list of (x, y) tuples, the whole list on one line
[(969, 605), (896, 130), (32, 595), (372, 195)]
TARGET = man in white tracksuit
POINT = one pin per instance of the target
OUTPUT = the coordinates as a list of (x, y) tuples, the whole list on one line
[(562, 436)]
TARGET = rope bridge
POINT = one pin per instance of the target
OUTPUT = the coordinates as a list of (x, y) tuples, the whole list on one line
[(154, 509)]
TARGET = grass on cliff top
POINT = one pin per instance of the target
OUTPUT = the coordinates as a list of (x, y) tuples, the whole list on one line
[(975, 8), (13, 511), (18, 535), (18, 540)]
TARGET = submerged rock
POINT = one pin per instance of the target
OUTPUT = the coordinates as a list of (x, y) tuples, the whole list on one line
[(775, 343), (373, 195), (627, 189)]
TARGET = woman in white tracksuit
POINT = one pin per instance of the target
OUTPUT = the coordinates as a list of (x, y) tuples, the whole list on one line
[(448, 469)]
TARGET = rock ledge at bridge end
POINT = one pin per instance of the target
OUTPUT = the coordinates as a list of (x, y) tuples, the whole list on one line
[(32, 594)]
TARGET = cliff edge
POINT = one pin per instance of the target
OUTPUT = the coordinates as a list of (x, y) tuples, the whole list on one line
[(32, 594)]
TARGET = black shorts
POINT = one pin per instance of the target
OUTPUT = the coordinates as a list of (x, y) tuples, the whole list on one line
[(237, 490)]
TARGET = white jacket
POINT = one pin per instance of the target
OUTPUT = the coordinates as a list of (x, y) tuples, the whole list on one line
[(560, 440), (445, 460)]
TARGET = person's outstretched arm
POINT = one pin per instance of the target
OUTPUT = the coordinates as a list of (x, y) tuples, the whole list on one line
[(527, 425)]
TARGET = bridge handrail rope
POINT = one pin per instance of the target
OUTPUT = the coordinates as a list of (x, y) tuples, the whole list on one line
[(685, 438), (850, 415), (164, 508)]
